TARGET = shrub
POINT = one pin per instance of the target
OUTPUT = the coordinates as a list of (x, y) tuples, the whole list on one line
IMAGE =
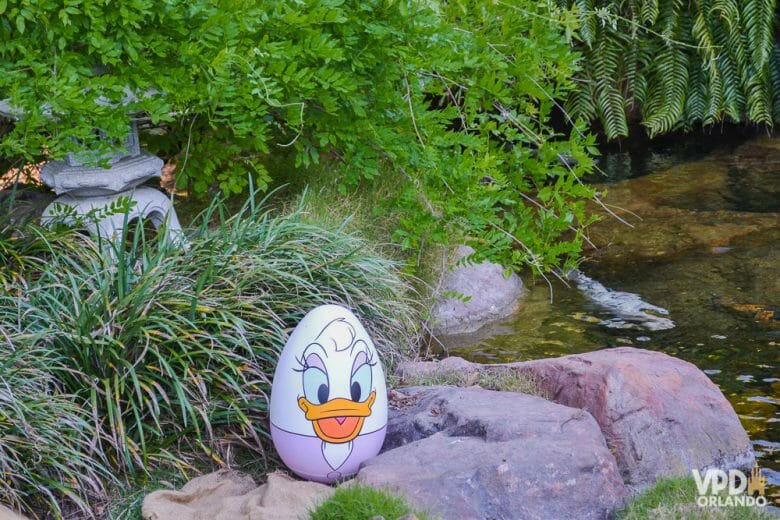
[(452, 98), (171, 351)]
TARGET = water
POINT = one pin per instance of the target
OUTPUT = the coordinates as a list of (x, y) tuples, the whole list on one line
[(707, 249)]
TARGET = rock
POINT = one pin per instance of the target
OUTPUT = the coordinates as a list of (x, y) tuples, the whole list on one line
[(469, 453), (416, 370), (629, 311), (660, 415), (230, 495), (491, 296)]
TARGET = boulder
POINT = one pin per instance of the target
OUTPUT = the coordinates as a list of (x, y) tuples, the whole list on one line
[(484, 294), (470, 453), (660, 415), (417, 370)]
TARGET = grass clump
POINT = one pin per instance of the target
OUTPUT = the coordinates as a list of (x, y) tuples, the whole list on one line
[(164, 353), (48, 446), (491, 378), (359, 502), (675, 498)]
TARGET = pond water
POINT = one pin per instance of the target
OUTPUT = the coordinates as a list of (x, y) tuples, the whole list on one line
[(705, 245)]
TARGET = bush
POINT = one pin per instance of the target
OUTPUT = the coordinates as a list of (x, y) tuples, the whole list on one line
[(454, 99), (171, 351)]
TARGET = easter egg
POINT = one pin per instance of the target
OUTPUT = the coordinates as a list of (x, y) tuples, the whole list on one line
[(328, 397)]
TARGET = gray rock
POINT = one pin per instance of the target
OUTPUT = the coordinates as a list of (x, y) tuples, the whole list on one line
[(469, 453), (491, 296), (660, 415), (415, 370)]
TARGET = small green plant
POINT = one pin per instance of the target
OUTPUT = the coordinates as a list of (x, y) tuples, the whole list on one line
[(359, 502), (675, 498)]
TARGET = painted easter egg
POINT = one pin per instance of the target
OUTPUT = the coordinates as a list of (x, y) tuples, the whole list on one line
[(328, 398)]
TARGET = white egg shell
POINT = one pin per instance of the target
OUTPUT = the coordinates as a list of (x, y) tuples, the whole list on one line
[(328, 397)]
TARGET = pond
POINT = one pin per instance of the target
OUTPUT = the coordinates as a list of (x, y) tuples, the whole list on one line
[(705, 245)]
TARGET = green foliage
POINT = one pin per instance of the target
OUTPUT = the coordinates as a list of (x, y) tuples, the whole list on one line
[(48, 447), (674, 64), (452, 98), (169, 351), (673, 498), (359, 502)]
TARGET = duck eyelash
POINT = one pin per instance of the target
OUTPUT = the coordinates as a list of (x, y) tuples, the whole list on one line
[(302, 365)]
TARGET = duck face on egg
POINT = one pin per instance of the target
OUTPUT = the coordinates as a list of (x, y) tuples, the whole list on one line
[(328, 399), (335, 400)]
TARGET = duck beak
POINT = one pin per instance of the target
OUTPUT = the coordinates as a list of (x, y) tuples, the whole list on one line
[(338, 420)]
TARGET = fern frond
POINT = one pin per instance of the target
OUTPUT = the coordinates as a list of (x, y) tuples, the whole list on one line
[(610, 102), (648, 13), (758, 20), (680, 61), (673, 72), (714, 97), (695, 103), (759, 99), (774, 71), (588, 23)]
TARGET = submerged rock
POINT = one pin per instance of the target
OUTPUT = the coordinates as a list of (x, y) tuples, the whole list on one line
[(469, 453), (481, 294), (630, 311)]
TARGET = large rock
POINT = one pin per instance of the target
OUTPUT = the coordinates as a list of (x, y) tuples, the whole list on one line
[(660, 415), (484, 294), (470, 453)]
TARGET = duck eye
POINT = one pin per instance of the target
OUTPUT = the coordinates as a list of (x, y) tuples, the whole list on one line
[(360, 385), (322, 393), (315, 385)]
